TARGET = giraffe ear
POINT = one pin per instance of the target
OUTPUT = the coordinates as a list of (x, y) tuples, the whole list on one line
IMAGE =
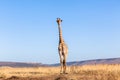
[(61, 20)]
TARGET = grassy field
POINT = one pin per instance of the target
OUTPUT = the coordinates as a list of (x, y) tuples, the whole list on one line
[(86, 72)]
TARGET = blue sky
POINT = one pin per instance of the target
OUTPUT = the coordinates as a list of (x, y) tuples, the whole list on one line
[(29, 32)]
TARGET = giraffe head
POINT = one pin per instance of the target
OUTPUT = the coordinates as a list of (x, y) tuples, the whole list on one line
[(58, 21)]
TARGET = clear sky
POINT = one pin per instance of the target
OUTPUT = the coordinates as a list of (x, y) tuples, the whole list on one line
[(29, 32)]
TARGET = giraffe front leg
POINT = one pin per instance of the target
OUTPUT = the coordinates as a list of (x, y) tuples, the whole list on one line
[(61, 62)]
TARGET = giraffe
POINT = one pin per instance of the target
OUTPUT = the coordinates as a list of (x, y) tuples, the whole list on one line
[(62, 48)]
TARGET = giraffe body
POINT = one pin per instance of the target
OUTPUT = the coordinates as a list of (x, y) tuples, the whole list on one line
[(62, 48)]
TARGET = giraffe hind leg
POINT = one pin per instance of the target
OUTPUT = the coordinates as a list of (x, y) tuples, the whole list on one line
[(64, 65)]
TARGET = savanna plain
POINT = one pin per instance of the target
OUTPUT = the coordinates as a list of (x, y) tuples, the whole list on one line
[(85, 72)]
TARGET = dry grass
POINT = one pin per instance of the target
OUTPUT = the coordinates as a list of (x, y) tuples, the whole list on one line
[(86, 72)]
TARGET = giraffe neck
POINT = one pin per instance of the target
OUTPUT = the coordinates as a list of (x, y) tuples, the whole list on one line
[(60, 34)]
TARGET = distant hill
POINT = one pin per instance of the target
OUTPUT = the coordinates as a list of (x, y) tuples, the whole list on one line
[(95, 61), (20, 64), (86, 62)]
